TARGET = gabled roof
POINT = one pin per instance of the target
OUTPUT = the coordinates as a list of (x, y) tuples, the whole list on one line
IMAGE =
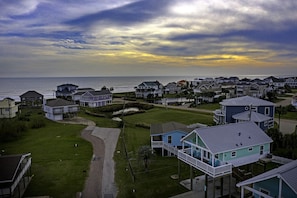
[(222, 138), (31, 94), (97, 93), (67, 85), (8, 98), (168, 127), (150, 83), (251, 116), (246, 101), (9, 167), (59, 102), (287, 173)]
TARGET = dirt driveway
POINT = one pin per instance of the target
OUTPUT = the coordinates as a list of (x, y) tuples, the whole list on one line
[(100, 181)]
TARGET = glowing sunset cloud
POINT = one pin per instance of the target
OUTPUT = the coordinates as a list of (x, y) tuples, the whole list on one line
[(155, 37)]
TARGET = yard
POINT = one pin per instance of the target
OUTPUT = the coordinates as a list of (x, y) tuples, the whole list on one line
[(59, 168), (156, 181)]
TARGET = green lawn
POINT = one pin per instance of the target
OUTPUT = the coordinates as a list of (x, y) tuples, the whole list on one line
[(210, 106), (288, 115), (156, 182), (160, 115), (59, 168)]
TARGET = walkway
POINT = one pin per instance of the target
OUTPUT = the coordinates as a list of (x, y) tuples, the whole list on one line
[(100, 182)]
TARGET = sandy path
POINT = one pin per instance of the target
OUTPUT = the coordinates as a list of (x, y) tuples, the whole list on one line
[(93, 184), (100, 182)]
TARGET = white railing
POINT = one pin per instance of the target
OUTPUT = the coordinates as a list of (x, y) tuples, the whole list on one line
[(22, 173), (280, 160), (157, 144), (204, 167), (161, 144)]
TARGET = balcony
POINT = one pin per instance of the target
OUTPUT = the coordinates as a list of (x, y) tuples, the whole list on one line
[(218, 116), (58, 111), (213, 171), (164, 145)]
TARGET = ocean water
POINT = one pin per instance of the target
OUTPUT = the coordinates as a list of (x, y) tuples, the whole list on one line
[(14, 87)]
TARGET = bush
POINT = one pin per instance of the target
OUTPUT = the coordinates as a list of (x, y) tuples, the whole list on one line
[(11, 129), (291, 108), (143, 125), (37, 123), (95, 114)]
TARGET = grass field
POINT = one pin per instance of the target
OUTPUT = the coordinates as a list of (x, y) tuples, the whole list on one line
[(58, 167), (288, 115), (157, 181)]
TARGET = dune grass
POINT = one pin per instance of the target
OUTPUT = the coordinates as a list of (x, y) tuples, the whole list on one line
[(59, 168)]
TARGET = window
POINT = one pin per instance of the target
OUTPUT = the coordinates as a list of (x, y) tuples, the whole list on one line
[(233, 154), (267, 110), (169, 139), (250, 149), (254, 109), (261, 150)]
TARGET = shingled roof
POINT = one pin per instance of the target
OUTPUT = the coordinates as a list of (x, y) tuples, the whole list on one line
[(222, 138), (161, 128), (246, 101), (31, 94), (287, 173), (59, 102), (9, 167), (251, 116)]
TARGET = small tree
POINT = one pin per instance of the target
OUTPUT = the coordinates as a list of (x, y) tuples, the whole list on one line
[(280, 110), (144, 153)]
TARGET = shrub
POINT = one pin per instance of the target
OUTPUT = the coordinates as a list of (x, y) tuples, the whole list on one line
[(37, 123), (11, 129), (143, 125)]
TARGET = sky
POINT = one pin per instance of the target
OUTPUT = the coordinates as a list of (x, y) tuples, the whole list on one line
[(147, 38)]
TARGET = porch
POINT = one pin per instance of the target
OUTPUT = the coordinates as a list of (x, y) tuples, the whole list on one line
[(218, 116), (213, 168), (163, 145)]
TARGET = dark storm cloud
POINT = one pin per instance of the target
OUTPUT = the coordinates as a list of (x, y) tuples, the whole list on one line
[(137, 12)]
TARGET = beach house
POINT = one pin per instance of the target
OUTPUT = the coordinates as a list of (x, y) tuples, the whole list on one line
[(246, 108), (279, 182), (166, 137), (216, 150), (31, 99), (15, 174), (58, 109), (94, 98), (8, 108), (153, 88), (66, 90)]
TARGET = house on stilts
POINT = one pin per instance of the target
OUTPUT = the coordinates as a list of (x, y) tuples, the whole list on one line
[(218, 150)]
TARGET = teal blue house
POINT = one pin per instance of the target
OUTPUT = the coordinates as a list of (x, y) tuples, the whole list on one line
[(216, 150), (280, 182), (166, 136), (246, 108)]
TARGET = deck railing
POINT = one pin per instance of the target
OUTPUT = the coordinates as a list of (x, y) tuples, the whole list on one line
[(218, 116), (220, 170), (164, 145), (21, 174)]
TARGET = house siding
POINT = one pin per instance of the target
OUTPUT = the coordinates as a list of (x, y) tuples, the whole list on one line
[(176, 136), (244, 152), (232, 110), (271, 185)]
